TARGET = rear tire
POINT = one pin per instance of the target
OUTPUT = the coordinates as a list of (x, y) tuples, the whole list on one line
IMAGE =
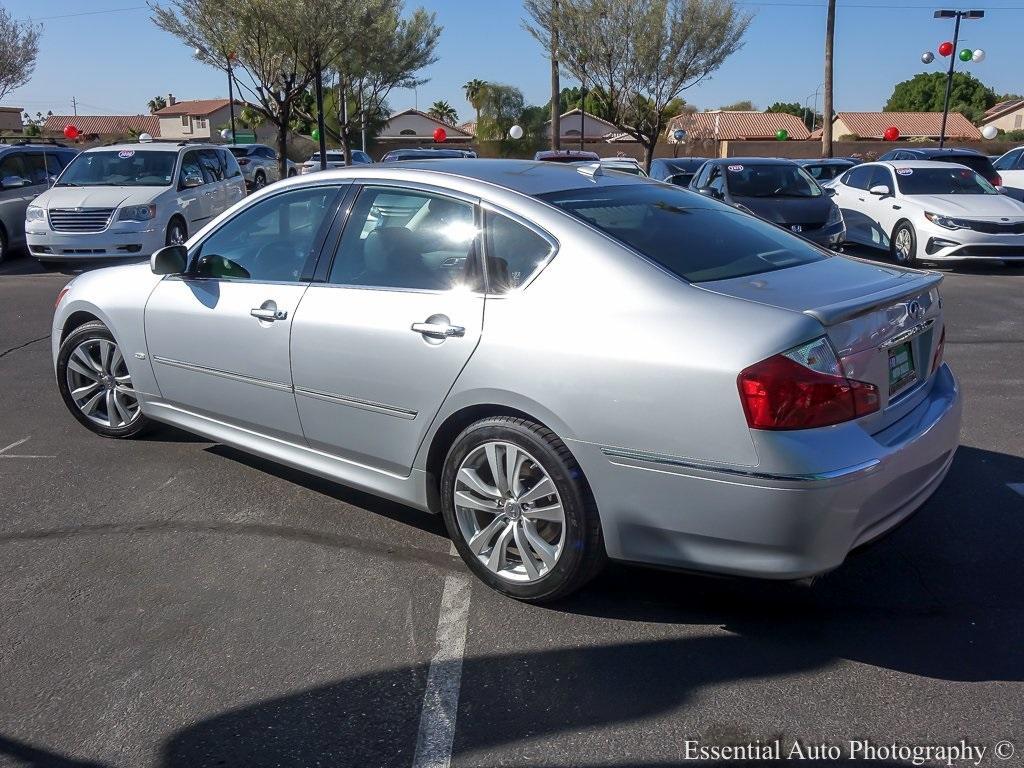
[(259, 180), (903, 244), (537, 501), (3, 245), (94, 382)]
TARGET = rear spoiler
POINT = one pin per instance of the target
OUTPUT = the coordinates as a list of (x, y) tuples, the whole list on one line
[(831, 314)]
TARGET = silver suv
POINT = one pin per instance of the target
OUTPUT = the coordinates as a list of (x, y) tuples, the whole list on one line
[(26, 170), (259, 164)]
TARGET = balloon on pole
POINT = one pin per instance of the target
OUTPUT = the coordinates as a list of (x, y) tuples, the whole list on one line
[(978, 55), (927, 57), (516, 131), (989, 132), (72, 132), (966, 54), (946, 48), (781, 135), (679, 134), (225, 133), (315, 134), (892, 133), (440, 135)]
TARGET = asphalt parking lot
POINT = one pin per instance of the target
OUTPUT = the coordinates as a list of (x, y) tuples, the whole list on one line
[(172, 602)]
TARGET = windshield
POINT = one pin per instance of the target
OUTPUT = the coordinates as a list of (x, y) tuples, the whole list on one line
[(942, 181), (762, 180), (120, 168), (691, 237), (332, 157)]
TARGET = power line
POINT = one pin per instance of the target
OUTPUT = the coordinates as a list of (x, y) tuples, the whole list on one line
[(90, 13)]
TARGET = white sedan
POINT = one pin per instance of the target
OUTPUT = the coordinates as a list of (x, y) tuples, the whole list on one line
[(1011, 171), (927, 211)]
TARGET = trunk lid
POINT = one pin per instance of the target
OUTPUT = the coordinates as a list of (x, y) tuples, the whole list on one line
[(884, 322)]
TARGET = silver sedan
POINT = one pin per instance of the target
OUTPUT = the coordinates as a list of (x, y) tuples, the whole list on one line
[(567, 365)]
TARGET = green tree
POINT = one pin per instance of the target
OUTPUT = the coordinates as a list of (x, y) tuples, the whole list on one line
[(501, 108), (156, 104), (740, 106), (443, 111), (925, 92), (645, 53), (596, 101), (19, 48), (474, 91), (793, 108)]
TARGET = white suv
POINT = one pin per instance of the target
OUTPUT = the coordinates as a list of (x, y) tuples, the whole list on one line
[(131, 199)]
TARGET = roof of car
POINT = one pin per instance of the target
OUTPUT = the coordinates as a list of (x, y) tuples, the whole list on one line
[(529, 177), (912, 163), (150, 146), (931, 151), (549, 154), (825, 161), (44, 145), (751, 161)]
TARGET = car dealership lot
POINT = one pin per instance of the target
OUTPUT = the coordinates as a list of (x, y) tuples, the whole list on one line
[(172, 602)]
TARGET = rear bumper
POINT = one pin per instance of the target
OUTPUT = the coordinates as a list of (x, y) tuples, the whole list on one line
[(745, 521)]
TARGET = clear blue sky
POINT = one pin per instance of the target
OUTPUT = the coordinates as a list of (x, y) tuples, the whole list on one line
[(114, 62)]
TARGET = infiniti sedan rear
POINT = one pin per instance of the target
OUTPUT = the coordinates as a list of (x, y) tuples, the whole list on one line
[(567, 365)]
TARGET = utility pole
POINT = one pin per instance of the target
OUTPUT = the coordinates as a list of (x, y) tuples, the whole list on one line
[(556, 106), (826, 109), (74, 106), (321, 130)]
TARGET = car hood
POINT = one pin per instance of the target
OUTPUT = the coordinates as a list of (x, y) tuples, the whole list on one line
[(97, 197), (971, 206), (788, 210)]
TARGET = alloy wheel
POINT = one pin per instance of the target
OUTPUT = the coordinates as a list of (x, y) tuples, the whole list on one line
[(176, 235), (259, 181), (509, 512), (904, 242), (100, 384)]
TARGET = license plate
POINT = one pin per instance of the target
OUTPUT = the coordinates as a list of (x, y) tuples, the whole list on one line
[(901, 367)]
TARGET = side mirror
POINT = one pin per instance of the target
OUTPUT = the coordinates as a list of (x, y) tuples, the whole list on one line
[(170, 260), (881, 190), (708, 191), (191, 181), (13, 182), (830, 191)]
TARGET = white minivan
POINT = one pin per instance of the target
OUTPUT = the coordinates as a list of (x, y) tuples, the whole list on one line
[(129, 200)]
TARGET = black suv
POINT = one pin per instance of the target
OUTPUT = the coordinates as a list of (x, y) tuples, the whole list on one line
[(973, 159)]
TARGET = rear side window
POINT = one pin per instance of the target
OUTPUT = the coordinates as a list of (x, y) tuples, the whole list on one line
[(211, 164), (228, 164), (1009, 160), (697, 240), (514, 253)]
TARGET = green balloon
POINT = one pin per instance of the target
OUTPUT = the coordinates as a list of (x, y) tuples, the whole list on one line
[(315, 134), (966, 54), (782, 134)]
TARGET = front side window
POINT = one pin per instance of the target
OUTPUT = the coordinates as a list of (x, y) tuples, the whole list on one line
[(120, 168), (943, 181), (717, 180), (407, 239), (694, 239), (880, 176), (514, 253), (191, 169), (859, 177), (1008, 161), (272, 240)]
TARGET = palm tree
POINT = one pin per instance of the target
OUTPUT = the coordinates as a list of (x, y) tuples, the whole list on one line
[(156, 104), (474, 91), (443, 111)]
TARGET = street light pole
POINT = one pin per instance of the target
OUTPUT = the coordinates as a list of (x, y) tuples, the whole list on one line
[(319, 88), (958, 15), (231, 100)]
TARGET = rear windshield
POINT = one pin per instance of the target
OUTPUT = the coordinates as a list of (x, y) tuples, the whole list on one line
[(759, 180), (120, 168), (975, 162), (239, 151), (942, 181), (575, 158), (695, 239)]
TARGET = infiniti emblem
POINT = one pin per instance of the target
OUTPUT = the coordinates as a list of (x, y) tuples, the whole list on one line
[(915, 310)]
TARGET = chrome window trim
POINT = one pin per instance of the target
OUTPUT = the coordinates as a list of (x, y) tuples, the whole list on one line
[(355, 402), (751, 473), (222, 374), (387, 289)]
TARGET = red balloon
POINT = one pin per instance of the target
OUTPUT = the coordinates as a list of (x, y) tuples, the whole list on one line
[(440, 135), (71, 132), (891, 133), (945, 48)]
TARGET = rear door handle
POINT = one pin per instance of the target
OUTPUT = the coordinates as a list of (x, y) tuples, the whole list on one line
[(438, 330)]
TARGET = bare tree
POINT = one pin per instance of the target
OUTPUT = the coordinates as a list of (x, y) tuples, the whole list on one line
[(826, 124), (645, 53), (543, 24), (273, 45), (19, 47)]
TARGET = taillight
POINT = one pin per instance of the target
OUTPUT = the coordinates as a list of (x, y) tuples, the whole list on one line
[(803, 388), (61, 295), (997, 181), (939, 350), (243, 161)]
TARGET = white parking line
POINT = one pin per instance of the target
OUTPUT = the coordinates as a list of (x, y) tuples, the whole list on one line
[(441, 698), (1018, 487), (5, 455)]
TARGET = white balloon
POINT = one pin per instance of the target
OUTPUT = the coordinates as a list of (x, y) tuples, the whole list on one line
[(989, 131), (225, 133), (516, 132), (145, 137), (978, 55)]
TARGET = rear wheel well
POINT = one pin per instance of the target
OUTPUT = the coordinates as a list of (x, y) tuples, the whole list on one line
[(76, 319), (450, 429)]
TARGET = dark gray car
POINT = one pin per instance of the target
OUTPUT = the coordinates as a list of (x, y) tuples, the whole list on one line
[(26, 171), (777, 190)]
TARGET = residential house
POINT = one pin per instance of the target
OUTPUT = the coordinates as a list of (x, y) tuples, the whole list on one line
[(727, 125), (102, 127), (574, 122), (413, 125), (1006, 115), (911, 125), (10, 120), (196, 118)]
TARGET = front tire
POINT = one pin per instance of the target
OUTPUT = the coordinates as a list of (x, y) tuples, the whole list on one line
[(903, 244), (177, 232), (94, 382), (519, 510)]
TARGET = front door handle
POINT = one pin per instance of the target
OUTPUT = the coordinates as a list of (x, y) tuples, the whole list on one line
[(438, 330), (268, 312)]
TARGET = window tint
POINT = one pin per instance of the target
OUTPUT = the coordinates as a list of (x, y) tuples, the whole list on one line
[(764, 180), (697, 240), (859, 177), (717, 180), (880, 176), (35, 167), (1008, 161), (701, 179), (12, 165), (514, 252), (271, 240), (397, 238), (210, 163), (977, 163), (228, 164), (55, 162), (190, 166)]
